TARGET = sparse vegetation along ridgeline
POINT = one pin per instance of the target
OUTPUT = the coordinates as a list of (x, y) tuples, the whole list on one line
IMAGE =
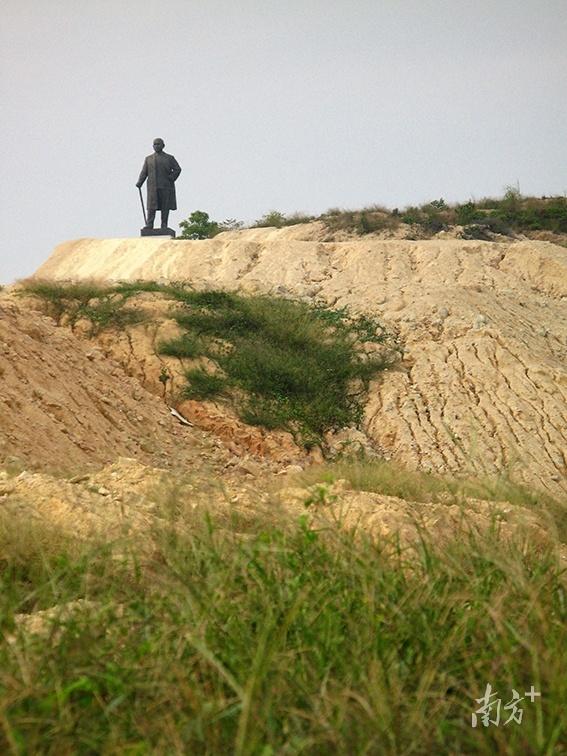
[(283, 363), (507, 215)]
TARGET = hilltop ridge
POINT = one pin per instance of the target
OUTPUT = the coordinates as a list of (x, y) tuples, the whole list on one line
[(482, 386)]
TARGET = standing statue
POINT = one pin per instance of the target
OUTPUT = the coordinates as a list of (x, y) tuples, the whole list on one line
[(161, 170)]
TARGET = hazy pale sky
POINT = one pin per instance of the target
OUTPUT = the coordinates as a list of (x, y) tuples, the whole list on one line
[(295, 106)]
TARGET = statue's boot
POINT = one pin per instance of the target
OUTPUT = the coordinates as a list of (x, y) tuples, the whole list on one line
[(150, 219), (164, 217)]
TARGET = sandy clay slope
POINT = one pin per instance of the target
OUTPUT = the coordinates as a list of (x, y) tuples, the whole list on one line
[(65, 407), (482, 386)]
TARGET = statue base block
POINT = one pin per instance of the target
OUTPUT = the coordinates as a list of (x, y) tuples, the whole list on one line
[(157, 232)]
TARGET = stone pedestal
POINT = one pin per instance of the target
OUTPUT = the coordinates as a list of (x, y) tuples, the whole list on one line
[(157, 232)]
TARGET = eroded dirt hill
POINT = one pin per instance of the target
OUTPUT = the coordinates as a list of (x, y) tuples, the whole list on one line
[(482, 387), (66, 407)]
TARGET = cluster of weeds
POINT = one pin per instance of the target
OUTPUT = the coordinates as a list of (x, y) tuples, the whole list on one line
[(513, 213), (103, 306), (276, 219), (292, 365), (131, 288), (202, 384), (534, 215), (64, 298), (186, 346), (287, 640), (366, 221), (365, 328)]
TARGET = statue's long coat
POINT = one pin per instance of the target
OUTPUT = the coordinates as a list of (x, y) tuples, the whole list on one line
[(161, 174)]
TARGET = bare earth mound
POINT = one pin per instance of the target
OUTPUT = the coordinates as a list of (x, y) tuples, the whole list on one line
[(65, 407), (482, 387)]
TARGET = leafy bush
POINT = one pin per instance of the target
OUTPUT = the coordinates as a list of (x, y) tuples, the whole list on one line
[(476, 231), (466, 214), (199, 226), (432, 220), (276, 219), (364, 225), (439, 204), (295, 218), (515, 212), (512, 199), (365, 221), (551, 215), (507, 215), (297, 368), (272, 218), (412, 215), (497, 225)]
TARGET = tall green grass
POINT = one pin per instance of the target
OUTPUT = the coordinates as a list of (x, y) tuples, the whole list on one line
[(279, 640)]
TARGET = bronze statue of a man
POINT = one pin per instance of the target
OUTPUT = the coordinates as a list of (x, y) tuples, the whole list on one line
[(161, 170)]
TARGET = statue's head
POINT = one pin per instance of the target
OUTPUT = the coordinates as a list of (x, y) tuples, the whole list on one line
[(159, 144)]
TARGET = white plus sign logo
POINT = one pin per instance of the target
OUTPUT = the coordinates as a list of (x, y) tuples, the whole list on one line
[(531, 694)]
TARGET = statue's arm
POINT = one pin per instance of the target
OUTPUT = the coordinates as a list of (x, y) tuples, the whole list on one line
[(143, 174), (175, 169)]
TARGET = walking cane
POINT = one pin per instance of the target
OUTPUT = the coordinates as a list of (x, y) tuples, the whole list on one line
[(143, 208)]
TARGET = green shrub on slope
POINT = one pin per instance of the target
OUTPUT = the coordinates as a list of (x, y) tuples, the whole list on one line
[(299, 366), (103, 306)]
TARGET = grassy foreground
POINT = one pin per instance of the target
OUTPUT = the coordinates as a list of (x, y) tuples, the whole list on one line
[(264, 637)]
